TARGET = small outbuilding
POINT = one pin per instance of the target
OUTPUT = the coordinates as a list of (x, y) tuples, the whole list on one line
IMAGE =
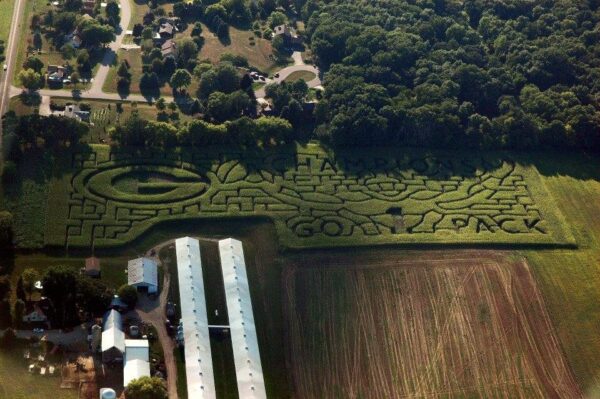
[(92, 267), (136, 361), (142, 273)]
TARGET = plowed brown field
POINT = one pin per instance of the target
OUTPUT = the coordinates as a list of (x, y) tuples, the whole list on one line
[(385, 324)]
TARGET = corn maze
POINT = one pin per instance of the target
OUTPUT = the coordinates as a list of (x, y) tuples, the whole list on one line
[(314, 199)]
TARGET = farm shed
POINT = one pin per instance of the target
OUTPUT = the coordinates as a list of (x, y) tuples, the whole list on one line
[(92, 267), (246, 353), (137, 360), (198, 358), (113, 337), (142, 273)]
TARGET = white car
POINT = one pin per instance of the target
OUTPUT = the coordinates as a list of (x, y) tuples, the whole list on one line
[(5, 67)]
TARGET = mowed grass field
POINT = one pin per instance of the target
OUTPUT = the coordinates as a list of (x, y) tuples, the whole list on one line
[(6, 13), (259, 54), (570, 279), (17, 383)]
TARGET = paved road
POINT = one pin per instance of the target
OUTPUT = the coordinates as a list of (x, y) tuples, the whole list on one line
[(285, 72), (75, 337), (10, 53), (111, 53), (153, 312), (297, 57)]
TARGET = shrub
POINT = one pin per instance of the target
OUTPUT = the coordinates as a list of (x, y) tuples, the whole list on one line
[(128, 294)]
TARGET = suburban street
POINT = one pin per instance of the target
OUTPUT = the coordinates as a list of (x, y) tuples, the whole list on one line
[(111, 54)]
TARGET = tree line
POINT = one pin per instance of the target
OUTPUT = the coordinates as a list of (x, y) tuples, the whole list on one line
[(244, 131), (478, 73)]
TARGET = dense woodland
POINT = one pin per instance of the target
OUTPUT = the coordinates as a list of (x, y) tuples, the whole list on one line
[(488, 73)]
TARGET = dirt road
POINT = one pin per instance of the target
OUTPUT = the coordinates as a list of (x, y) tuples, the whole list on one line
[(153, 312)]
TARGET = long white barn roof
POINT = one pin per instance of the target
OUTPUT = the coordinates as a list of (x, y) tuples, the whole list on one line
[(246, 354), (198, 358), (113, 335)]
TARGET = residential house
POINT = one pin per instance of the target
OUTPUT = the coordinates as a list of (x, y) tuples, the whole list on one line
[(34, 314), (169, 49), (55, 73), (290, 37), (73, 111), (88, 6), (166, 30)]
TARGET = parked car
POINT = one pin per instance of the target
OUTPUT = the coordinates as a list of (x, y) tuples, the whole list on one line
[(5, 67), (38, 330), (276, 75)]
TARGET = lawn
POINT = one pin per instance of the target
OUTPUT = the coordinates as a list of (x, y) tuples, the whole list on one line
[(135, 60), (17, 383), (6, 14), (259, 55), (304, 75), (48, 54), (315, 199)]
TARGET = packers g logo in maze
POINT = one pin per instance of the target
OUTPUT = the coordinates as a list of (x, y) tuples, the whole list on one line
[(139, 185)]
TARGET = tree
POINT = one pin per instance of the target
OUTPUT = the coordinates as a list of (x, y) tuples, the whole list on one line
[(93, 296), (5, 286), (95, 34), (67, 51), (128, 294), (60, 286), (181, 78), (6, 229), (33, 63), (18, 313), (277, 18), (30, 79), (123, 70), (273, 129), (160, 104), (146, 388), (5, 314), (75, 78), (112, 12), (8, 339), (29, 278), (37, 40), (147, 33), (187, 51)]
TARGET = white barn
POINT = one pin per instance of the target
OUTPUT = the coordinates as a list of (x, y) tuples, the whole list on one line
[(198, 357), (142, 273), (246, 354), (136, 360), (113, 337)]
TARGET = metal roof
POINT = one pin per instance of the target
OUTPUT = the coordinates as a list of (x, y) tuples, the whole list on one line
[(136, 360), (198, 358), (142, 272), (246, 353), (113, 335)]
